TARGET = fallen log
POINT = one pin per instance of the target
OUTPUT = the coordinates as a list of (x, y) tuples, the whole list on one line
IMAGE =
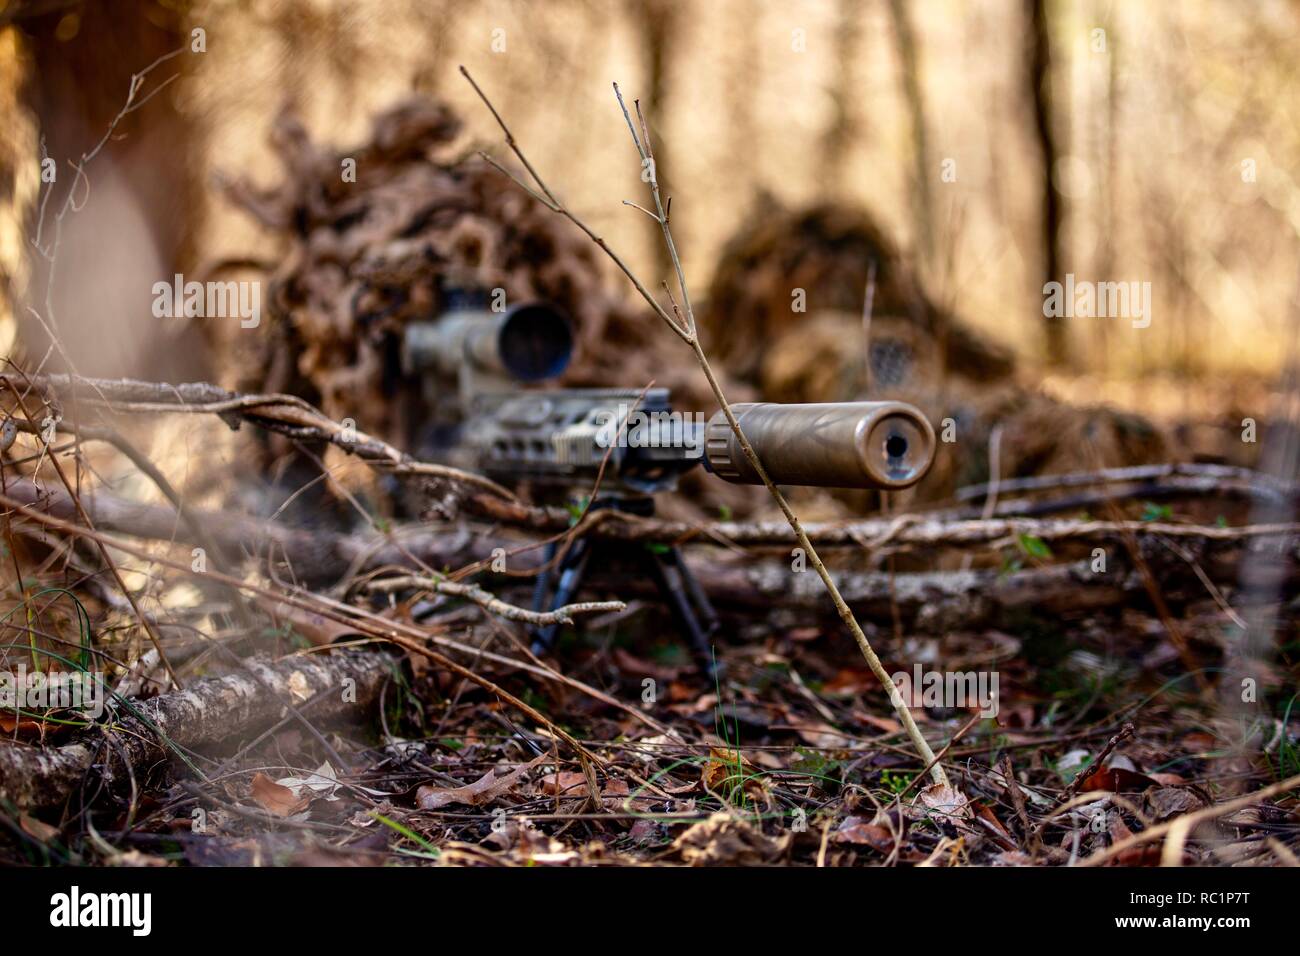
[(214, 714), (924, 600), (337, 552), (317, 557), (1204, 478), (927, 600)]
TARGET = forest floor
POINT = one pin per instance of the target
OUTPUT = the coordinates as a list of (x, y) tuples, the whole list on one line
[(1117, 735)]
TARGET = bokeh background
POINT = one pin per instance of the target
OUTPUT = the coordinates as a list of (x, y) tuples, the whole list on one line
[(1130, 141)]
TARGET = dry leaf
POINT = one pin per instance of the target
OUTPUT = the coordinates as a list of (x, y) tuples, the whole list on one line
[(570, 784), (564, 784), (1167, 802), (615, 788), (37, 829), (985, 816), (275, 798), (884, 724), (1116, 780), (299, 689), (1119, 830), (848, 681), (820, 734), (23, 725), (483, 790), (945, 802), (724, 840), (316, 628), (727, 769), (322, 783), (859, 830), (639, 667)]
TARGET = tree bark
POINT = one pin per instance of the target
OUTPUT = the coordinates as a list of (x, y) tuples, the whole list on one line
[(212, 714), (926, 600)]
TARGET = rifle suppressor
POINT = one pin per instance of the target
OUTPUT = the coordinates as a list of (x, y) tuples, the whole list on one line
[(887, 445)]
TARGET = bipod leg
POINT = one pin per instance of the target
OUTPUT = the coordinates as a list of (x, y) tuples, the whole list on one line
[(691, 609), (568, 580)]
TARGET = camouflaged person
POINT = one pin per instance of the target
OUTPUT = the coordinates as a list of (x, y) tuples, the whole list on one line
[(914, 351)]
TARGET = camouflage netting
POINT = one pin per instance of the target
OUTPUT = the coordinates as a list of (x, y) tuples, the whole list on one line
[(364, 258), (919, 352), (825, 250)]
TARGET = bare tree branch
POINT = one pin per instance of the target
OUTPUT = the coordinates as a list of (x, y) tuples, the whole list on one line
[(690, 337), (491, 603)]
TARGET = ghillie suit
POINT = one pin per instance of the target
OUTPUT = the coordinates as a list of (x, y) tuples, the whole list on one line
[(369, 253), (821, 258), (367, 256)]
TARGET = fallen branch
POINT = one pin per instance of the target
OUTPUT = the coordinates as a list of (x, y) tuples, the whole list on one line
[(316, 557), (1180, 827), (927, 600), (491, 603), (923, 531), (210, 714), (1205, 477), (372, 625), (484, 498), (286, 414)]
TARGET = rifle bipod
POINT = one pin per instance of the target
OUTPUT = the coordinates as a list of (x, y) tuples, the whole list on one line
[(694, 616)]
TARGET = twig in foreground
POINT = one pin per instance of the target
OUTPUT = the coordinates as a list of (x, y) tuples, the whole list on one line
[(493, 604), (686, 331), (1180, 827)]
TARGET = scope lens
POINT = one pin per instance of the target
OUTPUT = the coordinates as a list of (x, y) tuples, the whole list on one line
[(535, 342)]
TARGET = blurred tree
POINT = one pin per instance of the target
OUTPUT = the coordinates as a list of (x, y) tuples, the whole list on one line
[(1039, 77), (909, 70), (1105, 115), (744, 76), (135, 223), (657, 22), (843, 132)]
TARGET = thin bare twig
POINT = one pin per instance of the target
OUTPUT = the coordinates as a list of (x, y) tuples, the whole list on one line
[(689, 335), (1180, 827), (286, 414), (1124, 734), (104, 555), (491, 603)]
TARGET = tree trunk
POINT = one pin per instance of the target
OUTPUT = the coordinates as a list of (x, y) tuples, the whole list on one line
[(1041, 94), (910, 74)]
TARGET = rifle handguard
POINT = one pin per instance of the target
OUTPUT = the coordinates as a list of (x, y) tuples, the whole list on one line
[(888, 445)]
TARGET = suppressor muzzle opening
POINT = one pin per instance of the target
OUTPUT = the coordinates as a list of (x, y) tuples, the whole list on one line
[(897, 446)]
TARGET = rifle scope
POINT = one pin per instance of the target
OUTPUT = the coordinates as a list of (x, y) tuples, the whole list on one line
[(887, 445)]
